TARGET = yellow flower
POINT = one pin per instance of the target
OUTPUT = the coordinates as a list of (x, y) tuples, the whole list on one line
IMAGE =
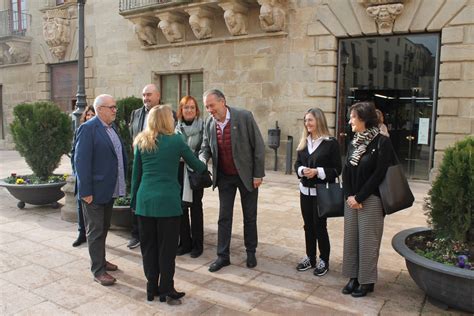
[(20, 181), (65, 176)]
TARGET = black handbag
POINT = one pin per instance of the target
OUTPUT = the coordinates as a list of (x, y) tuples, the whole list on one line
[(199, 180), (394, 190), (330, 199)]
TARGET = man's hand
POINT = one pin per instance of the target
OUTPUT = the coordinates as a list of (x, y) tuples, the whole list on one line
[(257, 182), (87, 199)]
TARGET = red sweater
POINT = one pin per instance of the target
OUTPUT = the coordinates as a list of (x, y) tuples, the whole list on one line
[(226, 160)]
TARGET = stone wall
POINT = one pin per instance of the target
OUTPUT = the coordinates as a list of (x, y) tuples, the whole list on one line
[(277, 76)]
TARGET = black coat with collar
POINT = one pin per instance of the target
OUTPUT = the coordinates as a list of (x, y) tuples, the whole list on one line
[(363, 180), (327, 156)]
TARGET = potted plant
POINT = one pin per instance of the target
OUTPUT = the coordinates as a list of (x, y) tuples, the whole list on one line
[(122, 215), (42, 135), (440, 259)]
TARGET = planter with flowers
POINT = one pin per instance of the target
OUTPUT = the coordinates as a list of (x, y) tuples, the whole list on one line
[(440, 259), (42, 135)]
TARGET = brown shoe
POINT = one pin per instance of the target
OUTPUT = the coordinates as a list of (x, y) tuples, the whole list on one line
[(105, 279), (109, 266)]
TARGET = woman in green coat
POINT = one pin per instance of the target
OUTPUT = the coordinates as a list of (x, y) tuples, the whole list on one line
[(157, 202)]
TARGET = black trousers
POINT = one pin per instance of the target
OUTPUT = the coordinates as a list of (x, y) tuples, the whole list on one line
[(97, 220), (191, 234), (315, 229), (135, 230), (228, 186), (159, 242)]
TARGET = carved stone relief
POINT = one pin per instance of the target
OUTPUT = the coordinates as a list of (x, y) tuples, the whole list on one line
[(175, 60), (201, 22), (56, 31), (385, 15), (235, 16), (19, 52), (171, 24), (146, 30), (272, 15)]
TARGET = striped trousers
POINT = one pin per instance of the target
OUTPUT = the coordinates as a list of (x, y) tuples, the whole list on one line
[(363, 229)]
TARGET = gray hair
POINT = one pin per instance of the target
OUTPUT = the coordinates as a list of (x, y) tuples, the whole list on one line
[(218, 93), (100, 100)]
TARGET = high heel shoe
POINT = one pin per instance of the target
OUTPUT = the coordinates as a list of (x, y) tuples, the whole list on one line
[(151, 291), (350, 286), (362, 290), (172, 298)]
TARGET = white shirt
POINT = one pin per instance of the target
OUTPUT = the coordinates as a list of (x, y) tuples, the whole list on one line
[(227, 119), (311, 146)]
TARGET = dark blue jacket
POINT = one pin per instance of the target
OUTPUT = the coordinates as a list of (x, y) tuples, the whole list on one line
[(96, 162)]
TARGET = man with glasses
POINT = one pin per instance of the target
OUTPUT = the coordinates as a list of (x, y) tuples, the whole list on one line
[(138, 121), (100, 161)]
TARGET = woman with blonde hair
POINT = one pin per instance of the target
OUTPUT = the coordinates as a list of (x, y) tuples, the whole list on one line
[(156, 200), (318, 161)]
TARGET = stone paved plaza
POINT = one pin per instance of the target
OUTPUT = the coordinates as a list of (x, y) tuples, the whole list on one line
[(42, 274)]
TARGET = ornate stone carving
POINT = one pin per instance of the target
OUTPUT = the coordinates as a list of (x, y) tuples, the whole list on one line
[(235, 16), (272, 15), (146, 30), (171, 24), (56, 31), (19, 52), (201, 22), (379, 2), (385, 15), (175, 60)]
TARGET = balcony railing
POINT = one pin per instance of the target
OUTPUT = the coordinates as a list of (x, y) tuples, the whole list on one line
[(14, 23), (127, 5)]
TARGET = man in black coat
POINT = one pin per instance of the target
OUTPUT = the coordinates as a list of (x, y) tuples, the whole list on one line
[(138, 121)]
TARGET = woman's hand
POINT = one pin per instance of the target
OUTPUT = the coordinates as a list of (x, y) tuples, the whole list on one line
[(351, 201), (310, 173)]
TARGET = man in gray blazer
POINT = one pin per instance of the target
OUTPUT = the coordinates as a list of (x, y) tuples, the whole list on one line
[(234, 143)]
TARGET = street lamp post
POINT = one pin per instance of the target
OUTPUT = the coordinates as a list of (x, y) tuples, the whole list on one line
[(81, 94)]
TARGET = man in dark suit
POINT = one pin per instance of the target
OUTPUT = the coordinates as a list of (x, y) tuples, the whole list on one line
[(100, 161), (138, 121), (234, 142)]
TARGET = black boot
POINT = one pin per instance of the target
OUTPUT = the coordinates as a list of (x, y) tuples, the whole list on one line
[(362, 290), (350, 286), (80, 240), (151, 291), (172, 298)]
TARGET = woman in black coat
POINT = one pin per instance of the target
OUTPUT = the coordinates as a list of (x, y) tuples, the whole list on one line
[(369, 155), (318, 161)]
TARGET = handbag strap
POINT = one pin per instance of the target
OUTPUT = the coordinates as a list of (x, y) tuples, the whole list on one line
[(396, 160)]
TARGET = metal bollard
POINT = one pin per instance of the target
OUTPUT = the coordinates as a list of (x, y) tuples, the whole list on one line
[(289, 155)]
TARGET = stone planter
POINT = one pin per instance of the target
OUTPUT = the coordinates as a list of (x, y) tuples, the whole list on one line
[(446, 286), (36, 194), (122, 217)]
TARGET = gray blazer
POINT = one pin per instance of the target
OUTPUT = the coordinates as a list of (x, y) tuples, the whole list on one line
[(248, 148)]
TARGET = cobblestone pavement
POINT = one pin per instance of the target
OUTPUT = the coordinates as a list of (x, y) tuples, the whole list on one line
[(42, 274)]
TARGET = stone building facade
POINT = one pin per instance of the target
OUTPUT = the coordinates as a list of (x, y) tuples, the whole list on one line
[(276, 58)]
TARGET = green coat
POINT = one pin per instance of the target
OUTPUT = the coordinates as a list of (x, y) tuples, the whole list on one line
[(155, 188)]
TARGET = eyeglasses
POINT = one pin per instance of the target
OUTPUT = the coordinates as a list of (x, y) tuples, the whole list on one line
[(112, 107), (189, 107)]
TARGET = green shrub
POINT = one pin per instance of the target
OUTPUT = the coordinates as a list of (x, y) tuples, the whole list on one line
[(449, 204), (42, 134), (124, 110)]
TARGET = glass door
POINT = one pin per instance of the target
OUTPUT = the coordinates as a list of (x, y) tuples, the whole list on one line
[(398, 74)]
